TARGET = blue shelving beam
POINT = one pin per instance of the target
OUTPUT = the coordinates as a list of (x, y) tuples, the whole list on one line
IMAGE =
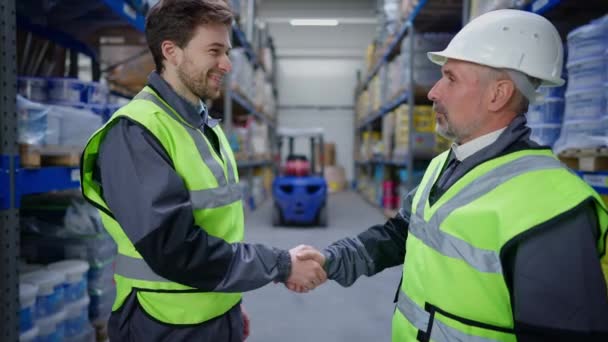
[(127, 13), (395, 43), (389, 107), (249, 107), (46, 179), (597, 180), (93, 12), (34, 181), (542, 6)]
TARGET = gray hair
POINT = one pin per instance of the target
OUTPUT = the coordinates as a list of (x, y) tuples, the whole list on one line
[(525, 87)]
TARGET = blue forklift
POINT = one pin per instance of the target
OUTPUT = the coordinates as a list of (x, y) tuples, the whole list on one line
[(299, 190)]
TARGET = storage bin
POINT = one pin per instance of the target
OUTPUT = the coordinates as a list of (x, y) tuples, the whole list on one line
[(584, 104), (27, 305), (77, 317), (33, 88), (545, 135), (29, 336), (550, 111), (52, 328), (587, 73), (75, 285), (587, 40), (49, 298)]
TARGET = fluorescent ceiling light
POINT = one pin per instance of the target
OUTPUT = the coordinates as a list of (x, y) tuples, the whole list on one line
[(313, 22)]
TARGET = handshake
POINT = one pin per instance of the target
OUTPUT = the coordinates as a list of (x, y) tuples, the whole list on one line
[(306, 269)]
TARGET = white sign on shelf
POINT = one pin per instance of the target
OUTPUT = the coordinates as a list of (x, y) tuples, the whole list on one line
[(75, 175)]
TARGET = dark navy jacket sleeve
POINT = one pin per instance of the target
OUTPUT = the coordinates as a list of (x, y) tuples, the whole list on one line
[(151, 203), (377, 248), (557, 287)]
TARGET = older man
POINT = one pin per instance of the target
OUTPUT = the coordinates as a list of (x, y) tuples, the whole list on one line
[(503, 242)]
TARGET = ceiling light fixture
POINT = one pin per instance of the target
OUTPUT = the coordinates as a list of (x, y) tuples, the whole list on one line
[(313, 22)]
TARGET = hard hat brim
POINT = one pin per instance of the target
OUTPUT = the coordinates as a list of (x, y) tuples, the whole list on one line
[(441, 57)]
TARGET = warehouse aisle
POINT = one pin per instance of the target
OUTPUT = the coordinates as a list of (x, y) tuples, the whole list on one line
[(330, 313)]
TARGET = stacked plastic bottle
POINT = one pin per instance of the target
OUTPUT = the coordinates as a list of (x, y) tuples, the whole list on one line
[(60, 226), (585, 116), (55, 303), (545, 117)]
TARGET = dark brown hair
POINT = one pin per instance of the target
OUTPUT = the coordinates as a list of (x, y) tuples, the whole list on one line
[(176, 20)]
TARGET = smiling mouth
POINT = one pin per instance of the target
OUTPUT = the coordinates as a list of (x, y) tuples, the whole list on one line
[(216, 78)]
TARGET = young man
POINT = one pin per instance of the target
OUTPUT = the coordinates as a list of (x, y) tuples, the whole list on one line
[(499, 242), (165, 180)]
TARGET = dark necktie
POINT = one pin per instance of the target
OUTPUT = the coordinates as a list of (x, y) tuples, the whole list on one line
[(447, 173)]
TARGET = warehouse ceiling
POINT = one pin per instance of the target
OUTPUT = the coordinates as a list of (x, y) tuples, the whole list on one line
[(350, 38)]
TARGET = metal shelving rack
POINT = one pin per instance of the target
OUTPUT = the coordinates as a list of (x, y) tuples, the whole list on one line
[(427, 16), (16, 181), (233, 100), (423, 17)]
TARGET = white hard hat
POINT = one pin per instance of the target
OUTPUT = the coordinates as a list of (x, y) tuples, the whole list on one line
[(509, 39)]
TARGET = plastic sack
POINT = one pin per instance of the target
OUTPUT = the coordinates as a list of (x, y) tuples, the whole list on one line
[(33, 122)]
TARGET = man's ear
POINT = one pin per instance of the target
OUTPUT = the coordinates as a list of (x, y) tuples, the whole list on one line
[(171, 52), (501, 94)]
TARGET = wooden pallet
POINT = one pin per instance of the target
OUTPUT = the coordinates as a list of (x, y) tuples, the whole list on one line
[(586, 159), (38, 156)]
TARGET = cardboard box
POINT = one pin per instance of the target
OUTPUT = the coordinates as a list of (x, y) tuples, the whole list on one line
[(335, 177)]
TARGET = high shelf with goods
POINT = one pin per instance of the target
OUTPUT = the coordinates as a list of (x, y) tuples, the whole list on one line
[(384, 110), (35, 158), (64, 30), (394, 125), (248, 103)]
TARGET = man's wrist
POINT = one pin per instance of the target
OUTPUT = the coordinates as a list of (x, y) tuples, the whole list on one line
[(283, 266)]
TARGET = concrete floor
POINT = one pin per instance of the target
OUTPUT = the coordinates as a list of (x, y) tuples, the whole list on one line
[(331, 313)]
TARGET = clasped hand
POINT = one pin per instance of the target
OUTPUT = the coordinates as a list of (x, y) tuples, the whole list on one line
[(306, 269)]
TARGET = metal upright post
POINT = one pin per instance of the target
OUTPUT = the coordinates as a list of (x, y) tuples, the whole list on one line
[(73, 68), (9, 223), (411, 103), (228, 103), (250, 19)]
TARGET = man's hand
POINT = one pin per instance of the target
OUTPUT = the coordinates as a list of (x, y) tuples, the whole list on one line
[(306, 271)]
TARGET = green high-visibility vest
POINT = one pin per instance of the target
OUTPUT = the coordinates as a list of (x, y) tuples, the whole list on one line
[(453, 286), (216, 200)]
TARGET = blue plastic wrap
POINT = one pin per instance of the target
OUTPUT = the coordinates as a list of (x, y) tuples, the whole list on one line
[(34, 125), (585, 104), (33, 88), (551, 111), (545, 135), (588, 40), (587, 72)]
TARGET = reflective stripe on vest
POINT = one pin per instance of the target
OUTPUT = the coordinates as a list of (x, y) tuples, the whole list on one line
[(446, 244), (217, 197), (136, 268), (197, 137), (440, 332)]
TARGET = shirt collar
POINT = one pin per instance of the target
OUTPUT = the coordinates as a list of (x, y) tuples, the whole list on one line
[(467, 149), (193, 115)]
